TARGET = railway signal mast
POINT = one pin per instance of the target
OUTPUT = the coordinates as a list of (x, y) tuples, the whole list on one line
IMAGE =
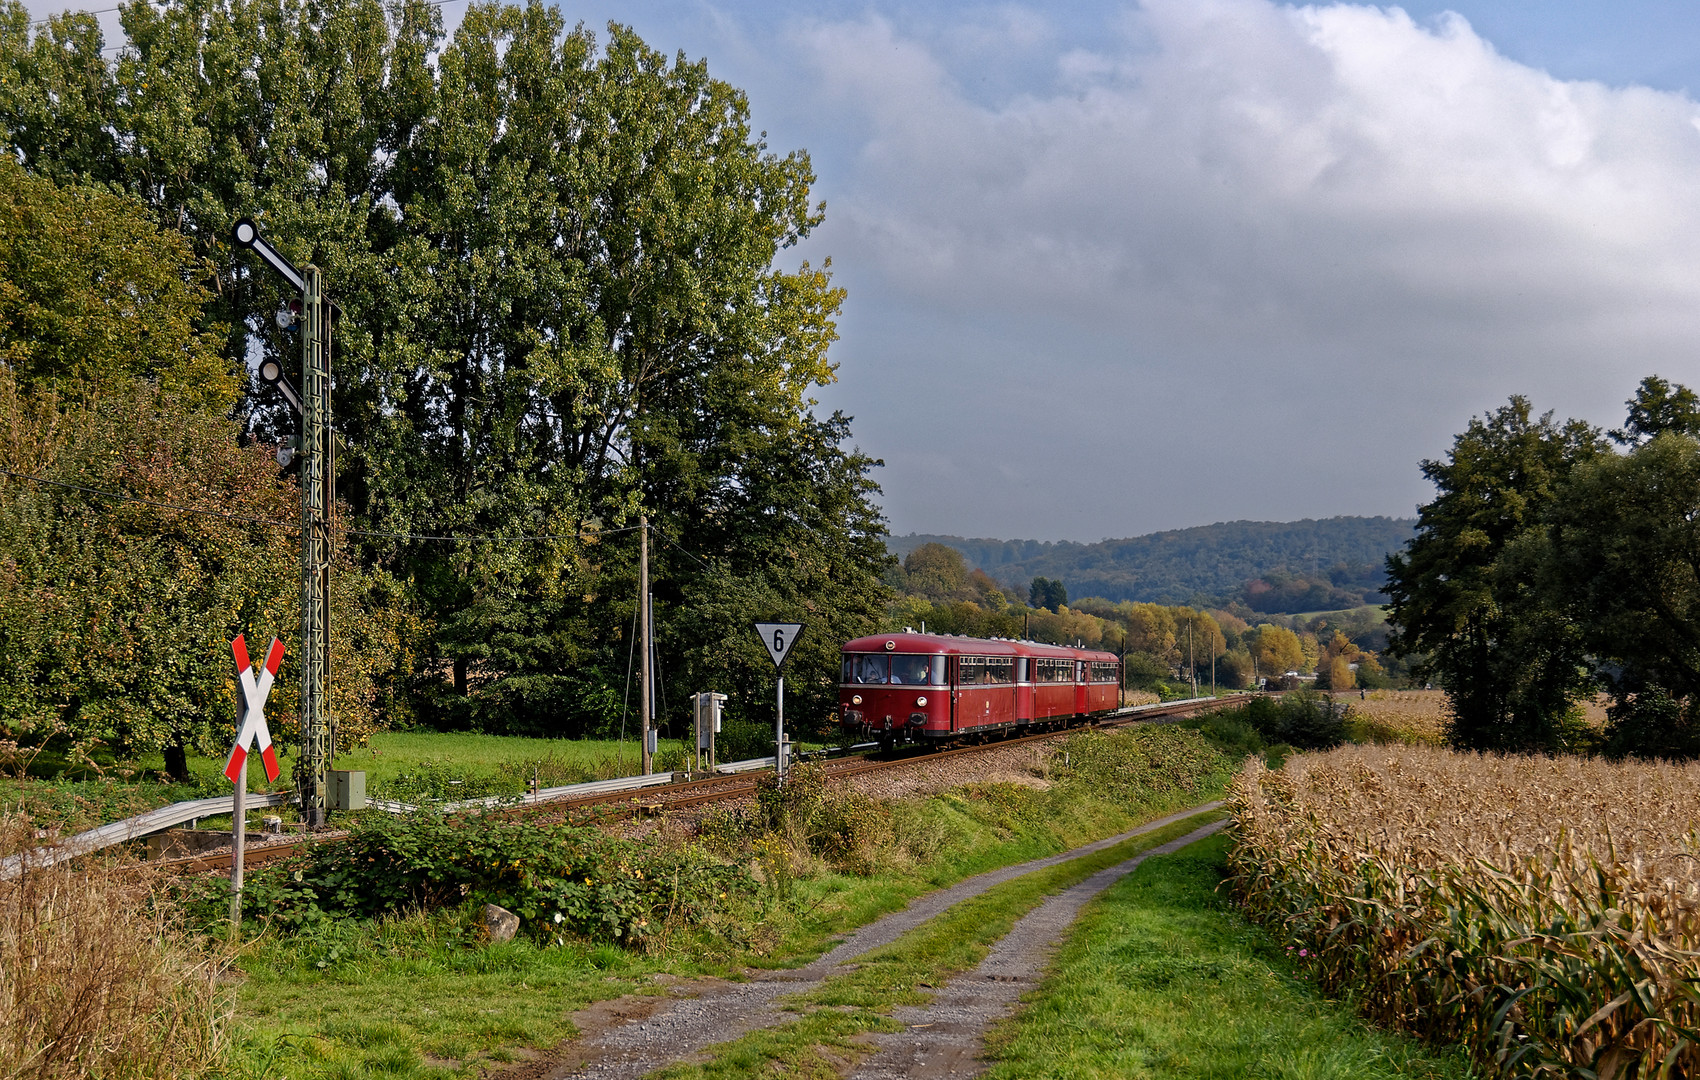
[(318, 494)]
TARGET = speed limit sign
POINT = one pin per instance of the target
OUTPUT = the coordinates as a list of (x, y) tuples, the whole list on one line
[(778, 637)]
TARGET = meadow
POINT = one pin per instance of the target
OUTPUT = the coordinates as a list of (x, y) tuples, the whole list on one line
[(370, 959), (1543, 913)]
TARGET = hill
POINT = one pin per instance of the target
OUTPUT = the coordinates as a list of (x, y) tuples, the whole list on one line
[(1270, 566)]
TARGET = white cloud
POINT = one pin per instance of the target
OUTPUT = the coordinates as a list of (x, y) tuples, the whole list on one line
[(1325, 176), (1331, 217)]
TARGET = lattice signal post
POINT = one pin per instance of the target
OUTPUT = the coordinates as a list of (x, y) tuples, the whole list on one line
[(318, 495)]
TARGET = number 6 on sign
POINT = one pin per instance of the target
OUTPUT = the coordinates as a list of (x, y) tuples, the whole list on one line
[(777, 638)]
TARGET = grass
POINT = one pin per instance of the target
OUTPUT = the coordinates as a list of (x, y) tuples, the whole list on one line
[(401, 765), (423, 997), (1161, 979), (409, 999), (846, 1006)]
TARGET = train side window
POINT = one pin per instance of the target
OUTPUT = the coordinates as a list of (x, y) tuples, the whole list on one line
[(938, 671), (1000, 669), (1021, 672), (970, 670)]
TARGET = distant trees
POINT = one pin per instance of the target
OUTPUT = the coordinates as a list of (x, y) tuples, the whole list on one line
[(1047, 593), (1549, 567)]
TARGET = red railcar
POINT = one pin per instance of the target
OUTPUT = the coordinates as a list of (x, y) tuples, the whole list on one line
[(936, 687)]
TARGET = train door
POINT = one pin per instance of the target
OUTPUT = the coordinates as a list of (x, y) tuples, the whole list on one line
[(1081, 674), (1023, 689), (950, 678)]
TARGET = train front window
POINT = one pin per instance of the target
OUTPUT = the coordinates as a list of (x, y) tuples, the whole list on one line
[(917, 670), (865, 667)]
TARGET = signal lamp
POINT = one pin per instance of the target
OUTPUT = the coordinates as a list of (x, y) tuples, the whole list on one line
[(272, 372)]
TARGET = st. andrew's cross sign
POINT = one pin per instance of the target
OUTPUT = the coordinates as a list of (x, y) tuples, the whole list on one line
[(251, 723)]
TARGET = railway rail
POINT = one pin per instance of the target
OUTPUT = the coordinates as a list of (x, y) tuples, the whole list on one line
[(614, 805)]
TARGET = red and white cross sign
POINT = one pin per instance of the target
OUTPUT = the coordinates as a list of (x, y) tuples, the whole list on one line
[(251, 725)]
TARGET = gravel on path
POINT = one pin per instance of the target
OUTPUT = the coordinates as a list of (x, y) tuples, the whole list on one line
[(625, 1039), (946, 1037)]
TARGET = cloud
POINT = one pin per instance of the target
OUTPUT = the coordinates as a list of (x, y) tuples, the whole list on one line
[(1390, 214), (1334, 171)]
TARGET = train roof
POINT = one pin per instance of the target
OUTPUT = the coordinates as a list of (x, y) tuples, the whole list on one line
[(953, 645)]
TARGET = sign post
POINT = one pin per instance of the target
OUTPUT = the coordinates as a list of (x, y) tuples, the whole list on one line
[(778, 638), (250, 728)]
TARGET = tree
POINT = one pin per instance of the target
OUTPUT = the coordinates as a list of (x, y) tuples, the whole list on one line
[(1461, 591), (558, 264), (1621, 557), (936, 572), (1047, 593), (1276, 651), (1659, 406), (116, 616), (92, 294)]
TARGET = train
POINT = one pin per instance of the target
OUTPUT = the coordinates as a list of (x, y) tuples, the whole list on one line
[(939, 688)]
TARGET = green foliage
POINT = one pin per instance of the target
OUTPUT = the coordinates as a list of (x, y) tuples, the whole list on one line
[(1303, 719), (1619, 558), (1141, 670), (1512, 661), (1659, 406), (116, 617), (1340, 557), (1047, 593), (1141, 766), (558, 263), (556, 878), (92, 293)]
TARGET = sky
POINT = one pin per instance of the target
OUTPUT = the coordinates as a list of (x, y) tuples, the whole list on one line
[(1121, 267)]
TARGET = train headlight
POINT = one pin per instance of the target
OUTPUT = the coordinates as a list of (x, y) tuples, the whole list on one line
[(921, 700), (855, 699)]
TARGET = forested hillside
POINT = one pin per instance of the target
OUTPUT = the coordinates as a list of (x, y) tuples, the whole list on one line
[(1270, 566)]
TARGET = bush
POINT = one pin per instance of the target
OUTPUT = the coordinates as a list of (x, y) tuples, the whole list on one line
[(556, 878), (96, 976), (1303, 718)]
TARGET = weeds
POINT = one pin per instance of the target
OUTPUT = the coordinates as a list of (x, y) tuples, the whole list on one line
[(96, 976)]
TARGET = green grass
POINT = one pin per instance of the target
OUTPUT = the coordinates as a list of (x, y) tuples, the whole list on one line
[(845, 1006), (1162, 979), (410, 999), (310, 1001)]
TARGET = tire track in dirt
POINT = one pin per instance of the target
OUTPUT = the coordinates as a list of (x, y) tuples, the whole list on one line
[(946, 1037), (628, 1037)]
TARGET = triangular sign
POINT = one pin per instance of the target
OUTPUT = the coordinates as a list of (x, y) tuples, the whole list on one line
[(777, 638)]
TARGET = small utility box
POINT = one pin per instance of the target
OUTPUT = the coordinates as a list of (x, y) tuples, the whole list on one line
[(706, 708), (348, 789)]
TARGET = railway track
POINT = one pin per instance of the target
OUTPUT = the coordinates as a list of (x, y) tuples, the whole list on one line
[(612, 806)]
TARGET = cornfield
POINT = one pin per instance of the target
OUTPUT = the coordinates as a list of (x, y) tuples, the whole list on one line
[(1542, 912), (1407, 716)]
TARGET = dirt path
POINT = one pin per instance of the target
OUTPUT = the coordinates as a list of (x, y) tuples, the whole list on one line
[(945, 1038), (629, 1037)]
